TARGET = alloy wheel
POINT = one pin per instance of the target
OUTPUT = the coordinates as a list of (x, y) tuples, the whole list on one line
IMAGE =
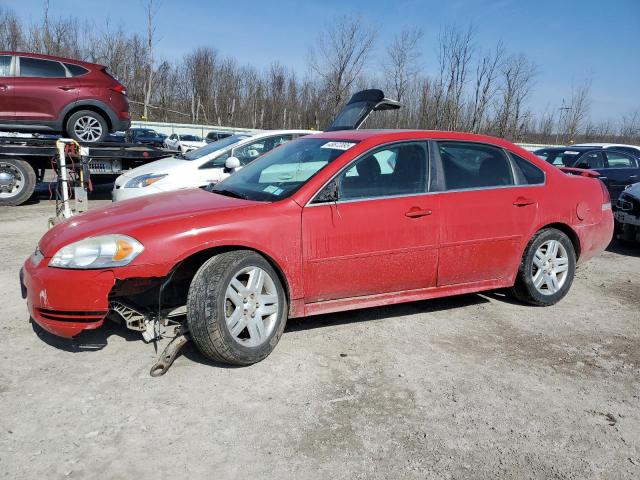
[(550, 267), (87, 129), (251, 306)]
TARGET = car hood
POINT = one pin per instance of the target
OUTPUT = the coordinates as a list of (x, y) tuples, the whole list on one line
[(192, 144), (633, 190), (159, 166), (137, 214)]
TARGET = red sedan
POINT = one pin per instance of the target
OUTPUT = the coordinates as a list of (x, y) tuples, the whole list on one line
[(330, 222)]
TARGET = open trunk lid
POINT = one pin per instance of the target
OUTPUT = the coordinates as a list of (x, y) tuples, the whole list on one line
[(359, 107)]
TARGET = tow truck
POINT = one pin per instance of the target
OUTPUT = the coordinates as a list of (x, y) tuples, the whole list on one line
[(25, 159)]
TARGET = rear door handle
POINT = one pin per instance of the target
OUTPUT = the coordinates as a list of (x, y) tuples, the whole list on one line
[(416, 212), (67, 88), (523, 202), (4, 87)]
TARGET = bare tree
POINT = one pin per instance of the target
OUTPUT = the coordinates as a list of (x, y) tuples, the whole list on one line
[(577, 110), (517, 74), (485, 86), (342, 51), (151, 11), (401, 64)]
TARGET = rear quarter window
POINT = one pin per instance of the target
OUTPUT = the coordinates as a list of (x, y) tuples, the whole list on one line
[(76, 70), (531, 174)]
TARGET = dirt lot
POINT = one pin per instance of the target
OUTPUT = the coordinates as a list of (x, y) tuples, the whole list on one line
[(468, 387)]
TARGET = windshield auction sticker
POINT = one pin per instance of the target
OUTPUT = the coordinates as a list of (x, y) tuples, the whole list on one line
[(338, 145)]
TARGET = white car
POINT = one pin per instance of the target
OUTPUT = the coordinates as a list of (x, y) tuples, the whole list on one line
[(184, 143), (621, 147), (209, 164)]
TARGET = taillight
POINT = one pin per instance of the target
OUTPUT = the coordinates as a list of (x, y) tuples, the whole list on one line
[(606, 198), (120, 89)]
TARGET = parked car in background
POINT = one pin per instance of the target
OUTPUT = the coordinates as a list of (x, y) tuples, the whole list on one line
[(43, 93), (617, 168), (200, 167), (627, 214), (621, 147), (184, 142), (145, 136), (215, 135)]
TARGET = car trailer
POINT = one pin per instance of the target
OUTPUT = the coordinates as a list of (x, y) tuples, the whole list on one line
[(24, 162)]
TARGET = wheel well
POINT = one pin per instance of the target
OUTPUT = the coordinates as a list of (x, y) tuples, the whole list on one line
[(569, 232), (92, 108), (183, 273)]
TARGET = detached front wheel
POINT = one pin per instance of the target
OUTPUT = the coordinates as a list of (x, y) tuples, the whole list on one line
[(547, 269), (236, 308)]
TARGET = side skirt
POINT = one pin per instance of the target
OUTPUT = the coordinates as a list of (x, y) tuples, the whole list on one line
[(368, 301)]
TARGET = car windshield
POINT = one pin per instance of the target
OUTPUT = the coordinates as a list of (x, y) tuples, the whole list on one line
[(149, 133), (214, 147), (190, 138), (560, 158), (281, 172)]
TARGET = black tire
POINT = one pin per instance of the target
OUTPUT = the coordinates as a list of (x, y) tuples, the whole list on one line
[(87, 114), (23, 189), (206, 309), (524, 289)]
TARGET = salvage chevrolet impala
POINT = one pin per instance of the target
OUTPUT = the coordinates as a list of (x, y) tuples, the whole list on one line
[(334, 221)]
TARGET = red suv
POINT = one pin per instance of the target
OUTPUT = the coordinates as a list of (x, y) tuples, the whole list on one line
[(42, 93)]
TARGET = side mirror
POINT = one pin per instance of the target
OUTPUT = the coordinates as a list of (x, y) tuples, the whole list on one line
[(330, 193), (232, 163), (583, 165)]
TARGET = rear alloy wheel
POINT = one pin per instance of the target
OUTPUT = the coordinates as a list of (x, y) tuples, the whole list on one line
[(236, 308), (547, 269), (87, 126), (17, 181)]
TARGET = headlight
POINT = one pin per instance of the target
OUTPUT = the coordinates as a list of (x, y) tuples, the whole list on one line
[(144, 180), (98, 252)]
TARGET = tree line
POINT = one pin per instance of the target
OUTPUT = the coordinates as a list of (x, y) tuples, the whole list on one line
[(470, 88)]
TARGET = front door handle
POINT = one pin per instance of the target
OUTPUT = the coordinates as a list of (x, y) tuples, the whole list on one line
[(416, 212), (523, 201), (4, 87), (67, 88)]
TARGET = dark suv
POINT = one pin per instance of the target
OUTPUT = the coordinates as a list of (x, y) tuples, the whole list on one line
[(41, 93)]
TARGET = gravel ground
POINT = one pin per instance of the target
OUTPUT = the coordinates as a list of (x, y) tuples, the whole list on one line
[(474, 386)]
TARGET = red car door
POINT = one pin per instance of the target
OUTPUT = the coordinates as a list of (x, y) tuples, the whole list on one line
[(42, 90), (7, 107), (488, 211), (381, 235)]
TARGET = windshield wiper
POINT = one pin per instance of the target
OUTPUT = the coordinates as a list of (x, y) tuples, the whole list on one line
[(230, 193)]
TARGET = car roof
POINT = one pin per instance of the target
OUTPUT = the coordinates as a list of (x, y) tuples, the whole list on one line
[(607, 145), (573, 148), (53, 57), (269, 133)]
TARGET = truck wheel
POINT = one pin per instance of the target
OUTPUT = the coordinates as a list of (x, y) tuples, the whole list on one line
[(236, 308), (17, 181), (546, 270), (87, 126)]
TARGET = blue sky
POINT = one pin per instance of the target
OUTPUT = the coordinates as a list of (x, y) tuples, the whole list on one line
[(568, 39)]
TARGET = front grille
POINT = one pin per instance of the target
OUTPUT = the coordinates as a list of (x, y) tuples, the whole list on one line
[(72, 316)]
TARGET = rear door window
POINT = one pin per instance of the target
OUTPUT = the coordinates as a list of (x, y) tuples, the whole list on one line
[(5, 65), (474, 165), (620, 160), (36, 67)]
